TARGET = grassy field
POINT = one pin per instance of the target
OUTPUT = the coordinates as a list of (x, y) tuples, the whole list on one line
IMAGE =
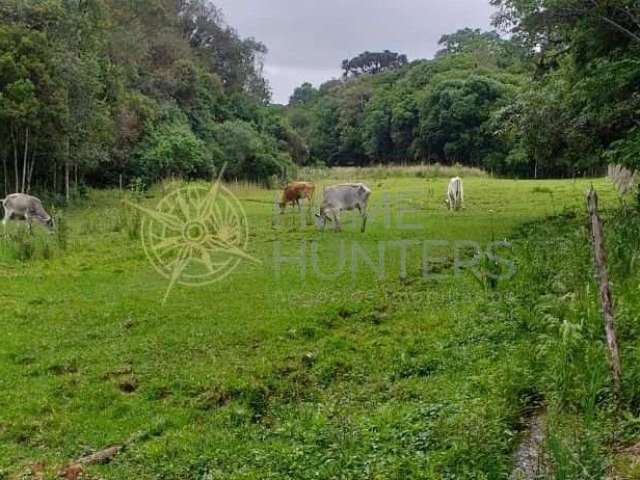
[(316, 363)]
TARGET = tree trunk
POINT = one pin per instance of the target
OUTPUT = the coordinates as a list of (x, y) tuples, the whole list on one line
[(5, 175), (67, 172), (606, 300), (55, 177), (31, 168), (15, 160), (25, 157)]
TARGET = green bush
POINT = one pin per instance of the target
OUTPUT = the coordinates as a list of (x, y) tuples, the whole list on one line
[(250, 155), (170, 148)]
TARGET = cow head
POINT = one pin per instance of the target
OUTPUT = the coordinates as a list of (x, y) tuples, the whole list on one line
[(321, 218)]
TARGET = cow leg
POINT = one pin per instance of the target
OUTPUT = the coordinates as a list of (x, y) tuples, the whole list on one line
[(27, 219), (336, 218), (364, 215), (7, 217), (323, 217)]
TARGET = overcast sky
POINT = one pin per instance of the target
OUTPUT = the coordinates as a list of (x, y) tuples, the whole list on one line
[(308, 39)]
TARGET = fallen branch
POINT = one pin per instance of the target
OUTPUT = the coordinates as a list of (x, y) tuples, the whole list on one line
[(103, 456), (75, 470)]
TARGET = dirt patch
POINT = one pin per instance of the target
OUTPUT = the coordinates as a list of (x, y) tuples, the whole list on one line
[(32, 471), (128, 384), (214, 397), (626, 465), (62, 369), (119, 372), (126, 380), (72, 472)]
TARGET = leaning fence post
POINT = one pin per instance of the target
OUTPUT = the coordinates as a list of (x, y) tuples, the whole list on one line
[(602, 276)]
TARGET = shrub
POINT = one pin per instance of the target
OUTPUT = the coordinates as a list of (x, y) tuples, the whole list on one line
[(170, 148), (250, 155)]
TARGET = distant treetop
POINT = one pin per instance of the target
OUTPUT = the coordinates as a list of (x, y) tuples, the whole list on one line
[(303, 94), (373, 63), (466, 40)]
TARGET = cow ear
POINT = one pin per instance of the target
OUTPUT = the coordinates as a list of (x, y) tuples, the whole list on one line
[(318, 215)]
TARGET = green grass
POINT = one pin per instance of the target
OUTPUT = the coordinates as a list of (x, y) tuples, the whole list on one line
[(279, 371)]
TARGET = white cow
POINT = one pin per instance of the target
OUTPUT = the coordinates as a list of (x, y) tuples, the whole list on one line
[(455, 194), (337, 198), (26, 207)]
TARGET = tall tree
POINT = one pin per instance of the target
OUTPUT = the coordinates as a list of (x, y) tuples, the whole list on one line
[(373, 63)]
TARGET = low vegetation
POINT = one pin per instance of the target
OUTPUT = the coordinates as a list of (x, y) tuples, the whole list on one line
[(373, 374)]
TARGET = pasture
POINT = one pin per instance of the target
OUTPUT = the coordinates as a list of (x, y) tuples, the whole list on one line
[(337, 356)]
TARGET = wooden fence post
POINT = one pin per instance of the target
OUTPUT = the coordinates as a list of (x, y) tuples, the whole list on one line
[(606, 302)]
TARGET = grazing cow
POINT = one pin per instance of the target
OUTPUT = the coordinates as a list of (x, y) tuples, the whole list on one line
[(295, 191), (455, 194), (343, 197), (26, 207)]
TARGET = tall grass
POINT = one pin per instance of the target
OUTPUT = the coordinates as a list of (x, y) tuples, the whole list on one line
[(18, 244), (558, 306), (388, 171)]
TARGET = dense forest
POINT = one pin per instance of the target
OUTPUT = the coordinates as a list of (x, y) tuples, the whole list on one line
[(559, 97), (104, 92)]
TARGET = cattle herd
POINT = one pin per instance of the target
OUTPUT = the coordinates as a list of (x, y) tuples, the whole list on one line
[(336, 198), (351, 196)]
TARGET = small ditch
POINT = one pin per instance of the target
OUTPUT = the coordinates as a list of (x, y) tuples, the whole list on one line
[(529, 460)]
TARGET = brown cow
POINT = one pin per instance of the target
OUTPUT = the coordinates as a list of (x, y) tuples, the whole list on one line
[(295, 191)]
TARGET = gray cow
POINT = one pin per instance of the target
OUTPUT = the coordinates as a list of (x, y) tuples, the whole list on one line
[(26, 207), (347, 196)]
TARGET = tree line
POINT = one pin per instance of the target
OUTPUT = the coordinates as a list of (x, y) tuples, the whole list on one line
[(559, 97), (101, 92)]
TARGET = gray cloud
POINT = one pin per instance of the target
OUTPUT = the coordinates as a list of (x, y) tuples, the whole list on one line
[(308, 39)]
